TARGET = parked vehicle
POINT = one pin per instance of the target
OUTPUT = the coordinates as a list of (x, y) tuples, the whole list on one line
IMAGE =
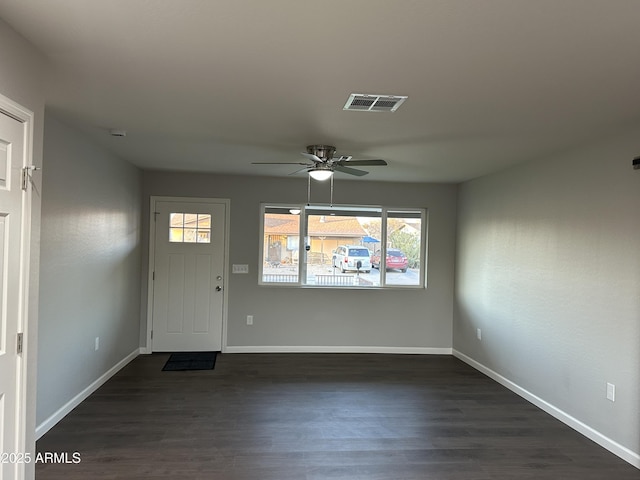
[(353, 258), (395, 260)]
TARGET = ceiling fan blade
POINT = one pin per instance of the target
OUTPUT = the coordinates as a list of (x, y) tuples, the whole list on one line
[(300, 170), (312, 157), (361, 162), (350, 171), (280, 163)]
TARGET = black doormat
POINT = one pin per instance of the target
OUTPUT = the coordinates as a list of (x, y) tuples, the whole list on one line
[(190, 361)]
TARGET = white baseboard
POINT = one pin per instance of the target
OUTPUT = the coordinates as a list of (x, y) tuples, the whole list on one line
[(45, 426), (336, 349), (621, 451)]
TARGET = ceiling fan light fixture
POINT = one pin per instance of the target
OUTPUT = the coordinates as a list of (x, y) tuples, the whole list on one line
[(321, 174)]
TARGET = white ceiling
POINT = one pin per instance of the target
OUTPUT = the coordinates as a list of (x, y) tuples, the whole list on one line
[(213, 85)]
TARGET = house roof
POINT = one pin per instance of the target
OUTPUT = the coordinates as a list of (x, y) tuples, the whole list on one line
[(275, 224)]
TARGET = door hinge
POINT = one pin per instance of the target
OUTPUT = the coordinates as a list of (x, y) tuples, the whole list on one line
[(26, 175), (151, 334), (20, 342), (153, 276)]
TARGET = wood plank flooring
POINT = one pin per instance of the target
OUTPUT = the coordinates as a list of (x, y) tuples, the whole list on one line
[(318, 417)]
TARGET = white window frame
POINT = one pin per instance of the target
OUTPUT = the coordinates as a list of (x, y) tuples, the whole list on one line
[(305, 211)]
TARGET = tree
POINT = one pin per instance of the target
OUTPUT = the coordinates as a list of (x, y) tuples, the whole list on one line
[(374, 227), (397, 237), (409, 244)]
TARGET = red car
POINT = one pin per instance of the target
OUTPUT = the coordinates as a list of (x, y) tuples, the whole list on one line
[(395, 259)]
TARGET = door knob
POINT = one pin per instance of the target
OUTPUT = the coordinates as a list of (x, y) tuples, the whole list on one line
[(218, 288)]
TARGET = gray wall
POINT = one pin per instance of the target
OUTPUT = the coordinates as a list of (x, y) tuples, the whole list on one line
[(548, 266), (90, 269), (316, 317), (21, 80)]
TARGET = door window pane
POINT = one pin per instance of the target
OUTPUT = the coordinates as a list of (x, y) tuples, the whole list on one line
[(189, 228), (176, 235)]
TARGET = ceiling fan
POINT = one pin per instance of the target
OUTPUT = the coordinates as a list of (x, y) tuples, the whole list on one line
[(321, 163)]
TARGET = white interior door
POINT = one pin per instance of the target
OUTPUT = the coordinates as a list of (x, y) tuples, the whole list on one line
[(11, 160), (188, 279)]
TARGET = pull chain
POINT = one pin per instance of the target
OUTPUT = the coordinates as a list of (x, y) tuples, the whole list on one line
[(331, 198)]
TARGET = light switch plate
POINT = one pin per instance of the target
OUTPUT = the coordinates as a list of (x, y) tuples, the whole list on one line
[(611, 392), (240, 268)]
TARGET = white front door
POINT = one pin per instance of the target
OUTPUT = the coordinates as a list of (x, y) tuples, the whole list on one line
[(11, 200), (188, 278)]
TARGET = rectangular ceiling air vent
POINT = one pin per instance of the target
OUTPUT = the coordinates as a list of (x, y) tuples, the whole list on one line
[(374, 103)]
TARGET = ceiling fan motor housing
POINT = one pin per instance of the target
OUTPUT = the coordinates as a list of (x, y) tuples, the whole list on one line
[(324, 152)]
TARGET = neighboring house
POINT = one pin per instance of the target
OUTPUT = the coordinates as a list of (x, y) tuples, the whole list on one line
[(325, 234)]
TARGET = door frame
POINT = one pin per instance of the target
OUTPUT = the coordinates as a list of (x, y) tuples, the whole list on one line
[(152, 258), (25, 404)]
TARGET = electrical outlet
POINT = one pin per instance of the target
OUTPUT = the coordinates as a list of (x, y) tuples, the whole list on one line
[(249, 319), (97, 344), (479, 334), (611, 392)]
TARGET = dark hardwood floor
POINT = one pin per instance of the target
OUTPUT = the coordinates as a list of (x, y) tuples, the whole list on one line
[(318, 417)]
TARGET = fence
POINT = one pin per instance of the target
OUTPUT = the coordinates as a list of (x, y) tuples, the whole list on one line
[(279, 278), (334, 279)]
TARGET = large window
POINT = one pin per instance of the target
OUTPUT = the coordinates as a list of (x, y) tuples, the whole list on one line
[(342, 246)]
